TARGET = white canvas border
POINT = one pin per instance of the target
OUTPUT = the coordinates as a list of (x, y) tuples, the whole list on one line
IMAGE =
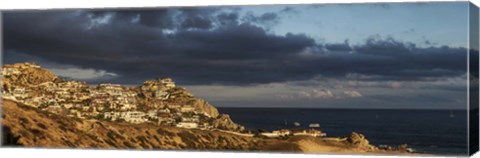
[(62, 4)]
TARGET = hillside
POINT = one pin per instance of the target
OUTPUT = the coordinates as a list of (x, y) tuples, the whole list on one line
[(29, 127), (157, 101), (23, 74)]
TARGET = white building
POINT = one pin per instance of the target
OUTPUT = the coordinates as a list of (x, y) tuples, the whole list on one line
[(134, 116), (167, 83), (267, 134), (10, 71), (314, 133), (187, 109), (128, 106), (173, 106), (187, 125), (153, 114), (190, 119), (19, 93), (161, 95), (166, 110), (282, 132), (111, 115)]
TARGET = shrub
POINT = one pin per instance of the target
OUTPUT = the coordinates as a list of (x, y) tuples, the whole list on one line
[(188, 138), (144, 146), (188, 135), (156, 138), (165, 132), (128, 144), (42, 126), (142, 139), (23, 120), (36, 132), (63, 128), (109, 142), (111, 135)]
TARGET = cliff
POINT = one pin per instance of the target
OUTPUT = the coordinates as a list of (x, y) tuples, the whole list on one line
[(204, 106), (224, 122), (178, 96)]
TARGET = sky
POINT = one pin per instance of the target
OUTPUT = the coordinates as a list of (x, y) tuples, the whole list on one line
[(377, 55)]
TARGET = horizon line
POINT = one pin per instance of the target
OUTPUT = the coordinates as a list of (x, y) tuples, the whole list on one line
[(340, 108)]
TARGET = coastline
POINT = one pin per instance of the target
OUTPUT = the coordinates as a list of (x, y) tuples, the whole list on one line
[(421, 129), (77, 133), (43, 110)]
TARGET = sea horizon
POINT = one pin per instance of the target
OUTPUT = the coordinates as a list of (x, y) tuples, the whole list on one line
[(421, 129), (326, 108)]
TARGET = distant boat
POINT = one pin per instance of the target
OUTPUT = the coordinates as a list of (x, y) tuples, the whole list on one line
[(314, 125), (451, 114), (296, 124)]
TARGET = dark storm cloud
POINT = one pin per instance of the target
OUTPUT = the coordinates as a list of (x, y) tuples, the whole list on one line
[(339, 46), (267, 19), (238, 42), (211, 46), (389, 59), (148, 17), (196, 18), (197, 22), (228, 18)]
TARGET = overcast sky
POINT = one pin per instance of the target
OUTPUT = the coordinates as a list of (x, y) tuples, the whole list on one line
[(397, 55)]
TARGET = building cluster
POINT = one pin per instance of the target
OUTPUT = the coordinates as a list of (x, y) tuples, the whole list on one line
[(16, 69), (158, 88), (111, 102), (114, 102), (296, 132)]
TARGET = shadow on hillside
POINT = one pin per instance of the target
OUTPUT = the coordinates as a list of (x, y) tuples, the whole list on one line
[(8, 139)]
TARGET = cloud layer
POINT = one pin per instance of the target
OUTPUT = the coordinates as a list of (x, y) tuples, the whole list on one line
[(234, 57), (213, 46)]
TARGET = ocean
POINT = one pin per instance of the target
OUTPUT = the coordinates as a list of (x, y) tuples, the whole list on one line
[(439, 132)]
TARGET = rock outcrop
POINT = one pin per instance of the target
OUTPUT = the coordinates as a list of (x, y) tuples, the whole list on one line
[(223, 121), (359, 141), (31, 74), (203, 106), (178, 96)]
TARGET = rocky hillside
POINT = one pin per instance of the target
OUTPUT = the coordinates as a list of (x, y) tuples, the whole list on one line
[(29, 127), (31, 75), (33, 78), (26, 126), (178, 96)]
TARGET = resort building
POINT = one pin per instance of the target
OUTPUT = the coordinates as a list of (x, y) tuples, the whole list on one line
[(187, 108), (134, 117), (187, 125), (309, 132)]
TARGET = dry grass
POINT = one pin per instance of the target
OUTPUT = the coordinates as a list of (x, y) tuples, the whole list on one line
[(30, 127)]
